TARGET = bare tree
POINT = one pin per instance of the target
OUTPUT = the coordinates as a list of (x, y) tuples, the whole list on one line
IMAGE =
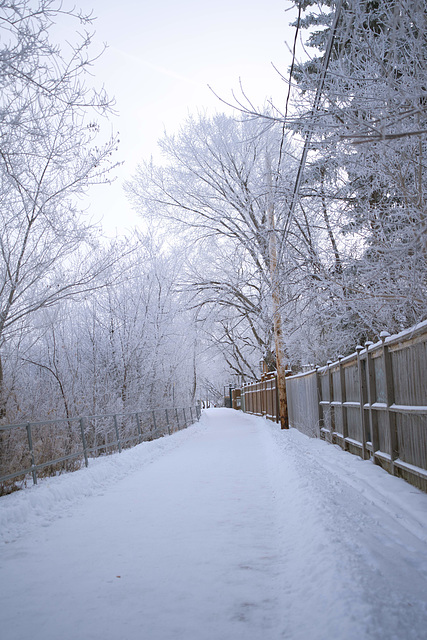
[(233, 305), (49, 155), (224, 182)]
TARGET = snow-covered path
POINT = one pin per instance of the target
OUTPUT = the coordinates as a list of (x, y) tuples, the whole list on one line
[(230, 529)]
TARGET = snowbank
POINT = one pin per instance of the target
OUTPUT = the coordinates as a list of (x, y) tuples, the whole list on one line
[(42, 503)]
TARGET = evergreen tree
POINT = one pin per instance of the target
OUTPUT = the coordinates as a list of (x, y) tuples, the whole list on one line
[(367, 152)]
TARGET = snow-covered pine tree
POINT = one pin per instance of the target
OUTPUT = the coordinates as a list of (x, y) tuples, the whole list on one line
[(368, 157)]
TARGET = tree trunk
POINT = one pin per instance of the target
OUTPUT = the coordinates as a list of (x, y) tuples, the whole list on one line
[(275, 294), (281, 374)]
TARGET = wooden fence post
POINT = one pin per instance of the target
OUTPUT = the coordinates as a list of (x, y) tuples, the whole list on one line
[(389, 394), (343, 407), (330, 399), (362, 398), (370, 385), (319, 400)]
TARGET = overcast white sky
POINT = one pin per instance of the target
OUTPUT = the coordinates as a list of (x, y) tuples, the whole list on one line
[(160, 58)]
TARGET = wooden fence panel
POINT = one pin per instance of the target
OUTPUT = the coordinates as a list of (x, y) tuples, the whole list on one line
[(352, 401), (260, 398), (303, 403), (373, 403)]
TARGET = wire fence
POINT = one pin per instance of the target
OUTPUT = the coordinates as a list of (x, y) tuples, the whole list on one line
[(49, 447)]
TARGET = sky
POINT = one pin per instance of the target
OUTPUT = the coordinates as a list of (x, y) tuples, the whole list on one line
[(160, 59)]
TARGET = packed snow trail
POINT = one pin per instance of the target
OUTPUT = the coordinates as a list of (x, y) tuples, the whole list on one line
[(230, 529)]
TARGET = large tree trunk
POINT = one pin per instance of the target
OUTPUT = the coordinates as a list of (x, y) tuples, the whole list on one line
[(277, 317)]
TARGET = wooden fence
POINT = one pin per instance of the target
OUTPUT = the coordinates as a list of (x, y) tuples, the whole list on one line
[(372, 403), (261, 398)]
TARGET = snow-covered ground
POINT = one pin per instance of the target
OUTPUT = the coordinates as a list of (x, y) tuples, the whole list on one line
[(230, 529)]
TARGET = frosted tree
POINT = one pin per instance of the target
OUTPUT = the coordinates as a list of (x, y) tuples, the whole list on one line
[(221, 180), (232, 303), (368, 144), (128, 346), (50, 152)]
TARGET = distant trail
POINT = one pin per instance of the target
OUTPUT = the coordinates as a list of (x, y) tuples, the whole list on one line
[(229, 530)]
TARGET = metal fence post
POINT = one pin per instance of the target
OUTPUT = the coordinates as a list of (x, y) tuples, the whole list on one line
[(138, 426), (33, 462), (185, 419), (116, 426), (177, 417), (167, 422), (82, 431)]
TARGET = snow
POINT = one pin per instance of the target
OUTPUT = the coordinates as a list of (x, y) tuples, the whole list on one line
[(230, 529), (407, 333)]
